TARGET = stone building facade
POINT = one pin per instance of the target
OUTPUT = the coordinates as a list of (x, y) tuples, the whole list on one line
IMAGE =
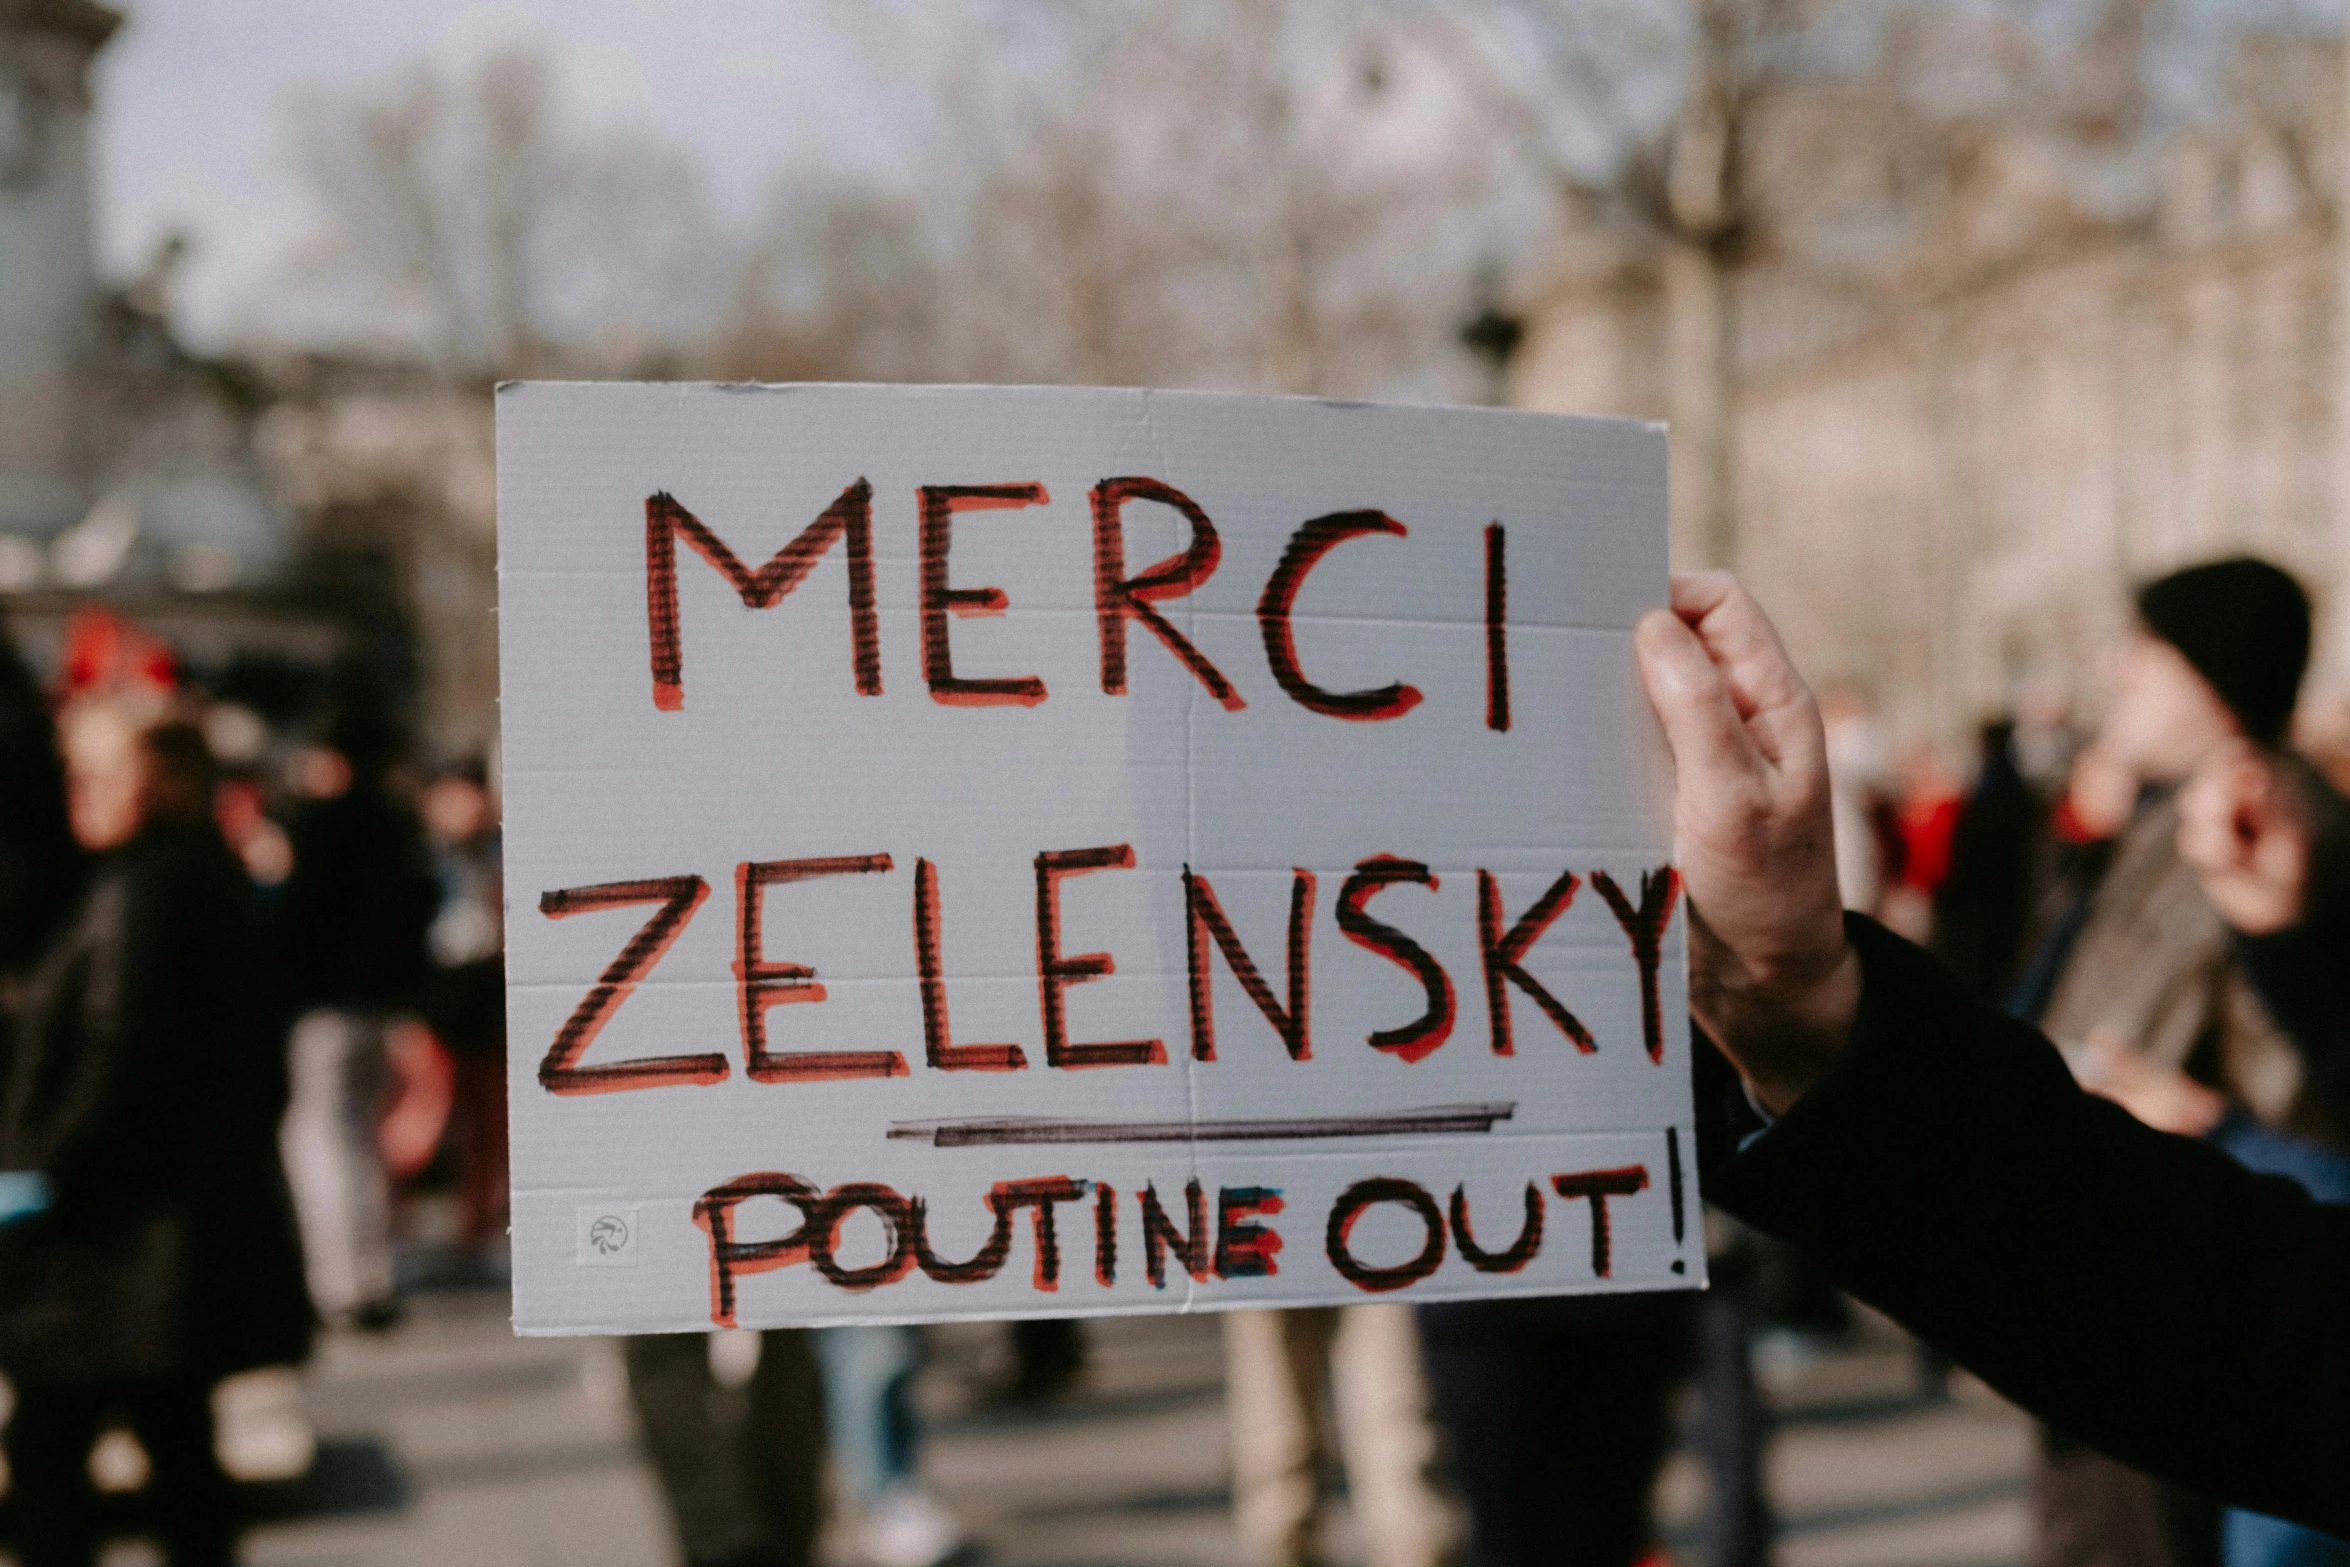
[(1986, 373), (48, 276)]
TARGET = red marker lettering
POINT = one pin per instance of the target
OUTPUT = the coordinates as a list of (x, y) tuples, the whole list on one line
[(1306, 549), (1119, 598), (1204, 920), (1503, 950), (560, 1072), (1414, 1040), (850, 517), (940, 503), (1057, 971), (761, 982)]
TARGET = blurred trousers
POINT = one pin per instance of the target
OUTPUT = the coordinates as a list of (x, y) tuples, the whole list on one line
[(1557, 1417), (2257, 1540), (869, 1405), (1282, 1370), (48, 1443), (741, 1467), (337, 1076), (1731, 1434)]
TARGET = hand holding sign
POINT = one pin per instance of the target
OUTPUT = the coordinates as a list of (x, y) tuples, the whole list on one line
[(1770, 974)]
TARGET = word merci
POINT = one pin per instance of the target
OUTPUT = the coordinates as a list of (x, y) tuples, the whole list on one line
[(763, 982), (1240, 1244), (1120, 599)]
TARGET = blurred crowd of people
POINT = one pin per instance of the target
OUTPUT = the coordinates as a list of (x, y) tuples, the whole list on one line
[(251, 974), (254, 1004)]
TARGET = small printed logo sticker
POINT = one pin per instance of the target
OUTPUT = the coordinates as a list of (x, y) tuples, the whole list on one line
[(607, 1237)]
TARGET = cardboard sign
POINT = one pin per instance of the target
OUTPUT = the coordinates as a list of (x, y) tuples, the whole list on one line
[(996, 852)]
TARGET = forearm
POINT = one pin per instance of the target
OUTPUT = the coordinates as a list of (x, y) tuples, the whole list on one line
[(2137, 1290)]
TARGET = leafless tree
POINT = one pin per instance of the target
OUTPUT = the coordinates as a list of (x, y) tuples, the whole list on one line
[(1639, 113), (461, 220), (1278, 194), (841, 283), (1270, 197)]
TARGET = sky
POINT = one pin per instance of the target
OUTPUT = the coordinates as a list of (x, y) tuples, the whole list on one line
[(194, 130)]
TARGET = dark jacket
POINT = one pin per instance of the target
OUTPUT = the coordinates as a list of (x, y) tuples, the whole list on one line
[(1982, 908), (146, 1086), (2140, 1291), (358, 904), (40, 866)]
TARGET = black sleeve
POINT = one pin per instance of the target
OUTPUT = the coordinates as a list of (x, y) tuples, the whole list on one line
[(2139, 1291)]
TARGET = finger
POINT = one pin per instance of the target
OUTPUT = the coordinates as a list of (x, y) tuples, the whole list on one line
[(1762, 679), (1740, 637), (1692, 702), (1696, 593)]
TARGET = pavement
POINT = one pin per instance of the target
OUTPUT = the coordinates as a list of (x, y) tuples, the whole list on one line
[(450, 1442)]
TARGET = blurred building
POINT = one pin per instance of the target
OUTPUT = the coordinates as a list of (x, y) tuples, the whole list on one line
[(1997, 352), (305, 512), (124, 463)]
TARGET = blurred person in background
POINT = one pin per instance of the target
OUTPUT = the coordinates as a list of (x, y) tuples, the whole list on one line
[(355, 910), (734, 1424), (2046, 738), (144, 1093), (2142, 961), (1048, 1357), (1984, 901), (876, 1431), (40, 865), (1282, 1372), (240, 741), (2093, 805), (1732, 1431), (2270, 839), (465, 1001), (1557, 1418), (1925, 815)]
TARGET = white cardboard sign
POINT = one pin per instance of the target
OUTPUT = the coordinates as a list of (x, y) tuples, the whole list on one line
[(990, 852)]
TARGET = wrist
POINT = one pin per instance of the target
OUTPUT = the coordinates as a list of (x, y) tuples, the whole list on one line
[(1783, 1023)]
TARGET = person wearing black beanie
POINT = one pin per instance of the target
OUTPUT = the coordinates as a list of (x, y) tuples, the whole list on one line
[(2244, 626), (2145, 962)]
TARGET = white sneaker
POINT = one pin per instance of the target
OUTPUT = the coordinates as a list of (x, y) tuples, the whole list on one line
[(259, 1430), (908, 1527)]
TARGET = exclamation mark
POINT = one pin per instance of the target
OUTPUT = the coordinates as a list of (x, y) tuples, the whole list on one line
[(1673, 1158)]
